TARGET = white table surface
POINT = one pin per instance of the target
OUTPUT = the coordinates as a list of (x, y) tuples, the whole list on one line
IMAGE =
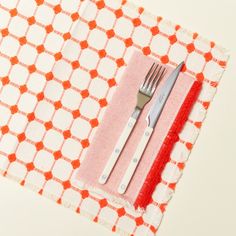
[(204, 202)]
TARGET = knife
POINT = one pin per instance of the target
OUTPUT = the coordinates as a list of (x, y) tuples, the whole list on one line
[(152, 118)]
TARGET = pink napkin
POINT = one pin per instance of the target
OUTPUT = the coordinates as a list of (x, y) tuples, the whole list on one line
[(157, 152)]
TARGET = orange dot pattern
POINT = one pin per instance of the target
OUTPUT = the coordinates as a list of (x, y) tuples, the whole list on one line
[(47, 52)]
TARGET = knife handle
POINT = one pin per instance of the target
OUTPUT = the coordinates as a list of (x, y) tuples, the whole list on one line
[(135, 160), (117, 150)]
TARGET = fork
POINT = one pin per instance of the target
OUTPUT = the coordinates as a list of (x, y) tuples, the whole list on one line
[(145, 94)]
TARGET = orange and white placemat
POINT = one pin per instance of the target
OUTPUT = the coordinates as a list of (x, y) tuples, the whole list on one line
[(57, 79)]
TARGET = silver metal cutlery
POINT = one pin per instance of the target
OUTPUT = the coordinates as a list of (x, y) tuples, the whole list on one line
[(152, 118), (145, 94)]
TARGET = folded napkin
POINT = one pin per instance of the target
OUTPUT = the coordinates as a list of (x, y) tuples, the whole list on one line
[(157, 153)]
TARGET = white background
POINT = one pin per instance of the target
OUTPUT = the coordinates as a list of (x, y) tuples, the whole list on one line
[(204, 202)]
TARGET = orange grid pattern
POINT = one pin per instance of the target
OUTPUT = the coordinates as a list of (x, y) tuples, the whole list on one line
[(53, 141)]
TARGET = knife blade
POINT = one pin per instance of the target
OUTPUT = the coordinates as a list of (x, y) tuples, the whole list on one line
[(156, 109)]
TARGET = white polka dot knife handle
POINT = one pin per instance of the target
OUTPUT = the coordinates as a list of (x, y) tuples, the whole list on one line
[(117, 150), (135, 160)]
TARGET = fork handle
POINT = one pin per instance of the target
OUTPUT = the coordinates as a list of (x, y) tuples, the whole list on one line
[(135, 160), (117, 150)]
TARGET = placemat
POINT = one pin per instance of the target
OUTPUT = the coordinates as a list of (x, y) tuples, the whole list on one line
[(50, 46)]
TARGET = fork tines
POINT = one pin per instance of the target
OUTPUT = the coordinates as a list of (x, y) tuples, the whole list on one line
[(153, 77)]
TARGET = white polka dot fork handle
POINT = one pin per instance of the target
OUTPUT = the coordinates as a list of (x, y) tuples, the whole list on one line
[(117, 150), (145, 93), (135, 160)]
